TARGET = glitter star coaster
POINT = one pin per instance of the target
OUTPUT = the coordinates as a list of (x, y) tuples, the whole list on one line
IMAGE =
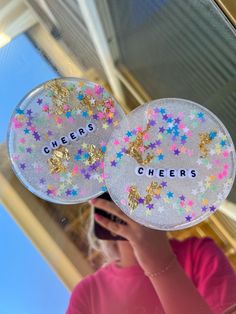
[(58, 137), (169, 164)]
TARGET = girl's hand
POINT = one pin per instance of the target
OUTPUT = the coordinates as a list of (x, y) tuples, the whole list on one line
[(151, 247)]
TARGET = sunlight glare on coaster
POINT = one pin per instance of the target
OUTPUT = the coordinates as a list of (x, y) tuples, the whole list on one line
[(169, 164), (58, 137)]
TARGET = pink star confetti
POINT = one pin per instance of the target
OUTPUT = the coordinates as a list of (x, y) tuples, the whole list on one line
[(190, 203), (66, 107), (100, 115), (88, 91), (142, 149), (225, 153), (22, 140), (146, 136), (123, 202), (127, 189), (32, 129), (125, 139), (45, 108), (139, 129), (16, 123), (59, 120), (70, 119), (190, 152), (183, 149), (75, 170), (98, 89)]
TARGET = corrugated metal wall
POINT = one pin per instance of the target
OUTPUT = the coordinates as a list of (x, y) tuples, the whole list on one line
[(73, 32), (183, 48)]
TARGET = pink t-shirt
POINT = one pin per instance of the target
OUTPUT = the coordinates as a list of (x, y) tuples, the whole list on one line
[(115, 290)]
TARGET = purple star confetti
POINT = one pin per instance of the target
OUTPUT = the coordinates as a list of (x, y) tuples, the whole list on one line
[(23, 166), (141, 200), (87, 176), (152, 145), (177, 152), (109, 121), (177, 120), (82, 171), (152, 122), (162, 129), (113, 163), (212, 208), (163, 184), (36, 136), (39, 101), (188, 218), (68, 192), (42, 181)]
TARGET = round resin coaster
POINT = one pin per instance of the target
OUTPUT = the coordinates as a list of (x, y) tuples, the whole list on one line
[(58, 137), (169, 164)]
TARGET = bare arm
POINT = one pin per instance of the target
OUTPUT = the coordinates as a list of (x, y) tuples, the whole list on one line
[(175, 290)]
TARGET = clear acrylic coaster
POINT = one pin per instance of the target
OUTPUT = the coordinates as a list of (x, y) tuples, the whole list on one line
[(170, 164), (58, 137)]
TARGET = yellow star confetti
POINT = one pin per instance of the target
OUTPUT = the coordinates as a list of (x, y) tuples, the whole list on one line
[(205, 201), (105, 126), (100, 179), (110, 115), (159, 151)]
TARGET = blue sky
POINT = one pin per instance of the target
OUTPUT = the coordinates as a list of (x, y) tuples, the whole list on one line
[(28, 285)]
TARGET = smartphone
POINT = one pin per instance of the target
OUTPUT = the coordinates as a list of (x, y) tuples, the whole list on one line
[(101, 232)]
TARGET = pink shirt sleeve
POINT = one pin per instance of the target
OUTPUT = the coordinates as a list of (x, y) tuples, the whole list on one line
[(79, 300), (214, 276)]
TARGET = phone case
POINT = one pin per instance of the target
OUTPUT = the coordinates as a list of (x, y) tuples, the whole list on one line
[(101, 232)]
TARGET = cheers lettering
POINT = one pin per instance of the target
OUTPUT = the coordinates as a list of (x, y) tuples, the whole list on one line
[(170, 173), (71, 137)]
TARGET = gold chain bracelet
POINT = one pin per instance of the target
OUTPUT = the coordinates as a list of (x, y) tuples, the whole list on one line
[(155, 274)]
